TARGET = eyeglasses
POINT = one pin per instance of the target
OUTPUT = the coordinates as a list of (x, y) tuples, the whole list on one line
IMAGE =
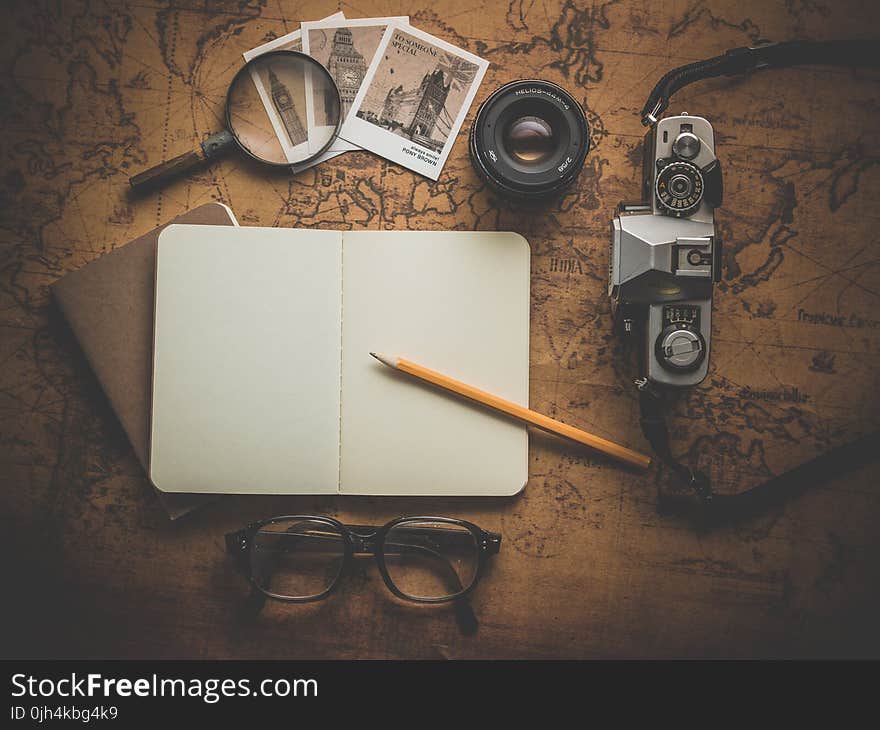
[(301, 558)]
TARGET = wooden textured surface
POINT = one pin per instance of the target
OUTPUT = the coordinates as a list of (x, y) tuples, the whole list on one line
[(95, 91)]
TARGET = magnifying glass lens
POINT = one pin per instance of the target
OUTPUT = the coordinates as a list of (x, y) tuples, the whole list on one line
[(283, 108)]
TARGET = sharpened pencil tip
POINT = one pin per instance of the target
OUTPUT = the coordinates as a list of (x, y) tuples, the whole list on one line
[(385, 360)]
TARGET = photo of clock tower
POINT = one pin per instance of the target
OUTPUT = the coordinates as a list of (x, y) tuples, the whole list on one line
[(286, 110), (347, 67)]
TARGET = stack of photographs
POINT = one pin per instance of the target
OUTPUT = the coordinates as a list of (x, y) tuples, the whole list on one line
[(404, 93)]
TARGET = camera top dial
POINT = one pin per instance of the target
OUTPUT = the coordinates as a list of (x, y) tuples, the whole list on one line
[(679, 187)]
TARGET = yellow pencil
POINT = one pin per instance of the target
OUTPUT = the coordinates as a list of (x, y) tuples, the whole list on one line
[(517, 411)]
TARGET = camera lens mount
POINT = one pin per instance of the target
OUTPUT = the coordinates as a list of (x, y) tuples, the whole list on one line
[(529, 139), (679, 187)]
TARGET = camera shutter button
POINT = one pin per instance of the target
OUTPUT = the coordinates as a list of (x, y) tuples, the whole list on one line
[(686, 145)]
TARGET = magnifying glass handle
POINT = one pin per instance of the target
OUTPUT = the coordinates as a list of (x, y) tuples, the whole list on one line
[(166, 171)]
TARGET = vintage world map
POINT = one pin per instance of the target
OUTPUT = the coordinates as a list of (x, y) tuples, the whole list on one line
[(94, 92)]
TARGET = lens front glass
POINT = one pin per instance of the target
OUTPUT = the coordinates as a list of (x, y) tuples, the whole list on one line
[(297, 558), (283, 107), (530, 140), (431, 560)]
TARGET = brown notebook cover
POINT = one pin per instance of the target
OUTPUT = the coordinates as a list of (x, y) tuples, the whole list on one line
[(109, 306)]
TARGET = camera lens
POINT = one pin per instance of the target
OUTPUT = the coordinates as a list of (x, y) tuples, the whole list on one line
[(529, 140)]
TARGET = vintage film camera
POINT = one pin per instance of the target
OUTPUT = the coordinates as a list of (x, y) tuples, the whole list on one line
[(666, 255)]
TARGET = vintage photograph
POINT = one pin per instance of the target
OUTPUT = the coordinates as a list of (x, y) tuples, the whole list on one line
[(346, 48), (414, 99), (284, 98), (284, 85)]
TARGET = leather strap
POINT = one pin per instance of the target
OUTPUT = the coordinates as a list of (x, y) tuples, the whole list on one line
[(712, 509), (653, 424), (771, 55)]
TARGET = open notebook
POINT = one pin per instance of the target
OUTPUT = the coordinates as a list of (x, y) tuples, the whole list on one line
[(262, 378)]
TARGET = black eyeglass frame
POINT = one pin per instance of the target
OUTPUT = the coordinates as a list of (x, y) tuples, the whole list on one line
[(361, 539)]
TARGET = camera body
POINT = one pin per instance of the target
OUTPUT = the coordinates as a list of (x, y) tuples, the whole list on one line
[(665, 254)]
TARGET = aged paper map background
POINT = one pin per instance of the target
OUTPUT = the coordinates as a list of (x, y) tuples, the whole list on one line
[(96, 91)]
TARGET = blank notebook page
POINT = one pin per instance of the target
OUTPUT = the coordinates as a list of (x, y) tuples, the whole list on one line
[(246, 361), (455, 302), (263, 381)]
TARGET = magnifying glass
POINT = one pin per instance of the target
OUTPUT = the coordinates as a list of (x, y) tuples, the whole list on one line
[(282, 109)]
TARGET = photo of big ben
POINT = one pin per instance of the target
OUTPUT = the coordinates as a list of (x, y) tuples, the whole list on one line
[(345, 49), (346, 66), (286, 109)]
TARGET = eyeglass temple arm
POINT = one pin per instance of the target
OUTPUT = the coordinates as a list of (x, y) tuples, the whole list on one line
[(237, 544)]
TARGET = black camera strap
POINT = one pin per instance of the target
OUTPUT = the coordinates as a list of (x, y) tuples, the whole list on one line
[(771, 55), (710, 508), (653, 422)]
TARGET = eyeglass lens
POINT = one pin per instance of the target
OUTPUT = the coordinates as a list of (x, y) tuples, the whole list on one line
[(431, 560), (297, 558)]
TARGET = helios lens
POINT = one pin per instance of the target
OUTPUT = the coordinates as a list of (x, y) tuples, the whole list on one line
[(529, 140)]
